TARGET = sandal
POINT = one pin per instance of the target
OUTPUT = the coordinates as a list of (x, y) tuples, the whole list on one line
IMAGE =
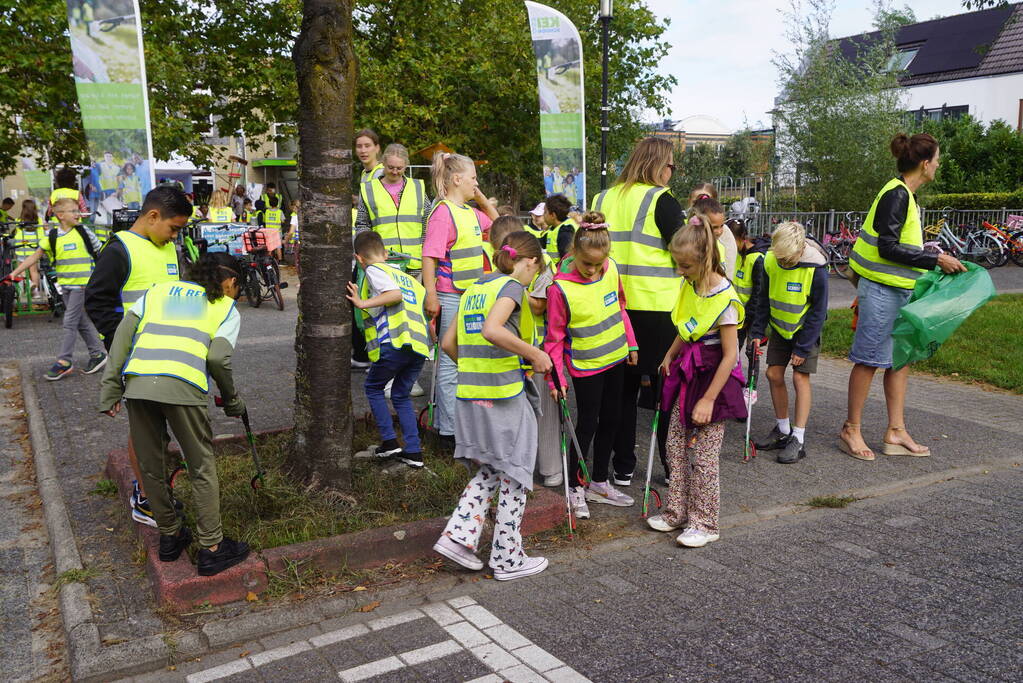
[(901, 449), (861, 454)]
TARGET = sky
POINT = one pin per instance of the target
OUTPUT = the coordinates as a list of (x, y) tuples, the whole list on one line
[(722, 49)]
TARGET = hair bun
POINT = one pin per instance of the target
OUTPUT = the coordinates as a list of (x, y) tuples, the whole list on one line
[(899, 145)]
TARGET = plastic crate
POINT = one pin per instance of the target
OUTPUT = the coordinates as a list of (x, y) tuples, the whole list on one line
[(267, 239)]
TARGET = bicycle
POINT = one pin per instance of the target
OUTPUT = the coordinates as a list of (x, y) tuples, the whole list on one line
[(1012, 242), (977, 245), (263, 273), (16, 294)]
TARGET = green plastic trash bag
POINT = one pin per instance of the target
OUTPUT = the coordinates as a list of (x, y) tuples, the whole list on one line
[(939, 305)]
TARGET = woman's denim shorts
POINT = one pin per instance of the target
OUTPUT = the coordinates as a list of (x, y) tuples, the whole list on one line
[(879, 307)]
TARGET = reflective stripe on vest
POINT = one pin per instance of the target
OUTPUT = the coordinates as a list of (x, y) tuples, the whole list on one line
[(401, 226), (789, 295), (174, 335), (148, 265), (485, 371), (405, 323), (26, 240), (72, 262), (647, 269), (694, 315), (552, 238), (865, 258), (743, 281), (372, 173), (222, 214), (595, 335), (465, 258), (273, 218)]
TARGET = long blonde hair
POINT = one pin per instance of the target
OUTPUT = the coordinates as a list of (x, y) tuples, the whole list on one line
[(696, 239), (445, 166), (648, 157)]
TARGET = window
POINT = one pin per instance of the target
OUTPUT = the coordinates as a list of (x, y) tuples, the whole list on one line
[(900, 60), (941, 113)]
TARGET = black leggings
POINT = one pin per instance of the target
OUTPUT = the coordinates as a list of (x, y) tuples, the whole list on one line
[(599, 414)]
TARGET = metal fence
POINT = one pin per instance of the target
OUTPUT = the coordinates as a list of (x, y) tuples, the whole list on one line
[(817, 223)]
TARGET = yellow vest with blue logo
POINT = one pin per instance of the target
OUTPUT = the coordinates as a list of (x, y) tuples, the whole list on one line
[(405, 324), (595, 334), (485, 371), (26, 239), (789, 295), (743, 281), (72, 262), (173, 338), (865, 258), (465, 258), (400, 227), (148, 265), (694, 315), (221, 214), (648, 271), (273, 218)]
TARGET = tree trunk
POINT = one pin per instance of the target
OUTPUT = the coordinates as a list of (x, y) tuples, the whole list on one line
[(326, 70)]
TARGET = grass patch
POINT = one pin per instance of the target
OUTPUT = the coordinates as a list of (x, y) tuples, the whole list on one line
[(105, 488), (283, 512), (830, 501), (986, 348), (74, 576)]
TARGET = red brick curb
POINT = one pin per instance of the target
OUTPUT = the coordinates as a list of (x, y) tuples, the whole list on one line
[(176, 584)]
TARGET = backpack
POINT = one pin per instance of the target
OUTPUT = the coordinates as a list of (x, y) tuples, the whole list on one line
[(81, 233)]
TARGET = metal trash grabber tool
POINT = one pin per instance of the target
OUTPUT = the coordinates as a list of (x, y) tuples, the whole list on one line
[(647, 489), (564, 459), (257, 479), (750, 448), (426, 414), (583, 475)]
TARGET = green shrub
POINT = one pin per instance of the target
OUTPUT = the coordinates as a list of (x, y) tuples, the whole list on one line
[(974, 200)]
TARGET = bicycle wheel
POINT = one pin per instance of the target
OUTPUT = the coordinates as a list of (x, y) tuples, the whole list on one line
[(252, 292), (7, 303), (273, 280), (1016, 247), (843, 249), (985, 251)]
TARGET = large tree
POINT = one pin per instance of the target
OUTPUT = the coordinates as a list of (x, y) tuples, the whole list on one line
[(325, 66)]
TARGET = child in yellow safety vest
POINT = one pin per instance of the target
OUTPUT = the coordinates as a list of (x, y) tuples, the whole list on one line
[(702, 385), (495, 419), (397, 342), (793, 301), (589, 331)]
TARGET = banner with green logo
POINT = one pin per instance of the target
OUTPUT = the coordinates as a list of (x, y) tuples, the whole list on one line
[(110, 76), (559, 76)]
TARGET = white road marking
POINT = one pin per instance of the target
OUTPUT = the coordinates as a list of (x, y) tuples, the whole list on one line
[(222, 671), (339, 635), (381, 666), (430, 652), (261, 658)]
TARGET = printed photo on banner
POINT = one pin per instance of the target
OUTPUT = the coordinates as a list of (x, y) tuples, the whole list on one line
[(104, 41), (119, 171)]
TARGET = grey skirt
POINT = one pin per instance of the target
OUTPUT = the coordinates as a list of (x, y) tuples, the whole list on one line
[(500, 433)]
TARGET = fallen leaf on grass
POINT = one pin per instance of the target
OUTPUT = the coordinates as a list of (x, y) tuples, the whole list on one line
[(243, 655), (369, 606), (109, 528), (251, 597), (172, 668), (359, 588)]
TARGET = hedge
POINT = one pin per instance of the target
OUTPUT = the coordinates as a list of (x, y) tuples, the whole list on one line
[(974, 200)]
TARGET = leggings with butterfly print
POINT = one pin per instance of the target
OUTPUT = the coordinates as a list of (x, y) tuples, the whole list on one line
[(466, 523)]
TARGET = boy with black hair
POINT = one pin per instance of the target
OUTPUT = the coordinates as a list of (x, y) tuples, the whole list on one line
[(391, 303), (72, 249), (5, 210), (561, 229)]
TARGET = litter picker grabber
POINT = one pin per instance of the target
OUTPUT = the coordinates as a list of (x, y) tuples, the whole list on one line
[(583, 474), (426, 414), (750, 448), (257, 478), (564, 461), (647, 489)]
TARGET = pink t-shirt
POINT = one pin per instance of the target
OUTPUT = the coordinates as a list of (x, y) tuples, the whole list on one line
[(394, 190), (440, 237)]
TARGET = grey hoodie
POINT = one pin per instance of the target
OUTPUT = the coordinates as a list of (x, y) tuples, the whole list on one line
[(760, 310)]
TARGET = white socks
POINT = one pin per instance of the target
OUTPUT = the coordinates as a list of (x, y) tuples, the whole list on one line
[(798, 432), (783, 424)]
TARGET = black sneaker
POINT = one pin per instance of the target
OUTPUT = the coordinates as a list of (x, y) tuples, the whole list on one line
[(793, 452), (774, 440), (387, 449), (447, 442), (171, 546), (96, 364), (411, 459), (622, 479), (58, 371), (229, 553)]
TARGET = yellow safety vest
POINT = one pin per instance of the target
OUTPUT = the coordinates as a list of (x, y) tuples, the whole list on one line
[(221, 214), (102, 233), (372, 173), (174, 335), (865, 257), (405, 323), (694, 315), (108, 176), (485, 371), (400, 227), (595, 335), (63, 193), (26, 239), (789, 295), (273, 218), (149, 265), (465, 258), (197, 213), (131, 189), (72, 262), (743, 281), (648, 271), (552, 238)]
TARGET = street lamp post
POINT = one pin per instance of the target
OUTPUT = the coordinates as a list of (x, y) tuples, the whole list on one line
[(606, 10)]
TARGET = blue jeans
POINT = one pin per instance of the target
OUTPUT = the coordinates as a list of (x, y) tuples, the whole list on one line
[(447, 371), (403, 366), (879, 307)]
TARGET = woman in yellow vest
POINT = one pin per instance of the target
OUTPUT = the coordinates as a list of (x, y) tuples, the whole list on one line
[(495, 421), (27, 236), (171, 341), (642, 217), (888, 257), (220, 210), (702, 384), (130, 186), (452, 260), (588, 329), (367, 149)]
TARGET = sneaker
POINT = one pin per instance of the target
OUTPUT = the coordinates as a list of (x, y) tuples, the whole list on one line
[(792, 453), (553, 480), (694, 538), (774, 440), (171, 546), (416, 391), (141, 512), (58, 371), (577, 497), (447, 442), (530, 566), (228, 553), (359, 365), (387, 449), (411, 459), (136, 494), (603, 492), (622, 479), (96, 364), (659, 523), (457, 553)]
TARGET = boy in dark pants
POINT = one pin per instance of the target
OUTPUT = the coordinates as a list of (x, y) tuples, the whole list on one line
[(793, 299)]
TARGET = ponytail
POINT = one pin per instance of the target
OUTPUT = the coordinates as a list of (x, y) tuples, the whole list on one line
[(445, 166), (592, 233), (210, 271), (695, 240), (516, 246)]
